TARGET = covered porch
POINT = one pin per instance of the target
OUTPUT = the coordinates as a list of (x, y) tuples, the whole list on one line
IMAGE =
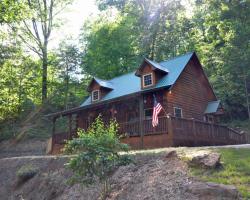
[(134, 116), (132, 113), (171, 131)]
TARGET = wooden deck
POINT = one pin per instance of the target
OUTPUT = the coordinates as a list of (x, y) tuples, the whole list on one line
[(175, 132), (189, 132)]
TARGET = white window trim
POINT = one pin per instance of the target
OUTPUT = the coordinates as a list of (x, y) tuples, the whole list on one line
[(180, 109), (92, 95), (152, 78)]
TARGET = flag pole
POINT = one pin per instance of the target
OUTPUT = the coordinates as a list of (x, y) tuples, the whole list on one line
[(162, 107), (165, 111)]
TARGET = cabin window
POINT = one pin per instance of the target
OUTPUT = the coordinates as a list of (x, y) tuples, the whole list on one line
[(209, 119), (95, 95), (147, 80), (148, 113), (177, 112)]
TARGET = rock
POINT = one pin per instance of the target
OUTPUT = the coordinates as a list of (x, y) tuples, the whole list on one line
[(210, 161), (208, 191), (171, 154)]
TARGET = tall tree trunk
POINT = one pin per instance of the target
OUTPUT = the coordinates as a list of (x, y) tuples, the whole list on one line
[(44, 72), (247, 100), (20, 93), (67, 88), (152, 53)]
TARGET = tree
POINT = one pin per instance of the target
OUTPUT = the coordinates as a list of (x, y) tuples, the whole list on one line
[(12, 11), (154, 29), (68, 62), (160, 27), (222, 27), (18, 84), (109, 48), (98, 154), (35, 33)]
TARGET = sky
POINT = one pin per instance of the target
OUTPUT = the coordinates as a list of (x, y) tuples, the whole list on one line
[(72, 19)]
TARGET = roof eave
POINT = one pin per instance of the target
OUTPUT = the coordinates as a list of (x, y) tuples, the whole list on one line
[(77, 109), (94, 79), (137, 73)]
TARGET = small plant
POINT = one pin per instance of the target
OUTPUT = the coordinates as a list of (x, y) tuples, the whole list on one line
[(97, 154), (25, 173)]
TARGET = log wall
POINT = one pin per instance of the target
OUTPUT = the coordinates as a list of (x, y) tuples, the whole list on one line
[(191, 92)]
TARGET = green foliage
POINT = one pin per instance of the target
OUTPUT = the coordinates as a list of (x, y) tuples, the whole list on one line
[(18, 85), (220, 31), (240, 124), (110, 47), (115, 43), (235, 171), (12, 11), (157, 30), (25, 173), (37, 126), (67, 60), (98, 153)]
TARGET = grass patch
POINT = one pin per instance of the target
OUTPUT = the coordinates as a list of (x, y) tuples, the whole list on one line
[(235, 171), (25, 173)]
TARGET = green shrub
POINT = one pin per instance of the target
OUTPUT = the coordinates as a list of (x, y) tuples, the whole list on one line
[(98, 154), (25, 173)]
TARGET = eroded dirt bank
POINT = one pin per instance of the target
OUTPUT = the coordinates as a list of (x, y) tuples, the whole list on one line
[(153, 176)]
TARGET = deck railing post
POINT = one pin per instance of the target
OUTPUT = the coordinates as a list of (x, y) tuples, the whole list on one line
[(70, 127), (213, 136), (141, 120), (170, 130)]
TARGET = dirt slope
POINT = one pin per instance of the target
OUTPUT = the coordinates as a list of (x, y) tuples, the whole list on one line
[(9, 148), (152, 177)]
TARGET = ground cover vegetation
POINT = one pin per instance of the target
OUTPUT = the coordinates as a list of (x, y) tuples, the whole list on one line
[(234, 171)]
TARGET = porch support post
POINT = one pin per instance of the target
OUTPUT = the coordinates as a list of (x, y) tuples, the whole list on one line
[(76, 123), (141, 114), (70, 127), (54, 126)]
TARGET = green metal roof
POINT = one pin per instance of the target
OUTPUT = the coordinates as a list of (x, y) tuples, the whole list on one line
[(157, 65), (103, 83), (130, 83), (212, 107)]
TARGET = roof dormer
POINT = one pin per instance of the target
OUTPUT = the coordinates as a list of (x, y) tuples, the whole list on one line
[(150, 72), (99, 88)]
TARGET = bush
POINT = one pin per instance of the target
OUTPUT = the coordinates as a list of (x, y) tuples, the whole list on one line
[(97, 154), (25, 173)]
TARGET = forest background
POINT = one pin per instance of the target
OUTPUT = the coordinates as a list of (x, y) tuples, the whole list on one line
[(36, 80)]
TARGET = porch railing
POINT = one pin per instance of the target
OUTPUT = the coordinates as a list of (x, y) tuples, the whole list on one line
[(61, 137), (134, 128), (197, 133), (188, 132)]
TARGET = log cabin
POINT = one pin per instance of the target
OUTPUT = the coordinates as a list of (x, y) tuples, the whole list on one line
[(190, 112)]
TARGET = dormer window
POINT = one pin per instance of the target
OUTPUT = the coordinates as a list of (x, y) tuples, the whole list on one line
[(95, 95), (147, 80)]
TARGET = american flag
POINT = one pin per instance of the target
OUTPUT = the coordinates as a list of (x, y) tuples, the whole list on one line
[(157, 109)]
